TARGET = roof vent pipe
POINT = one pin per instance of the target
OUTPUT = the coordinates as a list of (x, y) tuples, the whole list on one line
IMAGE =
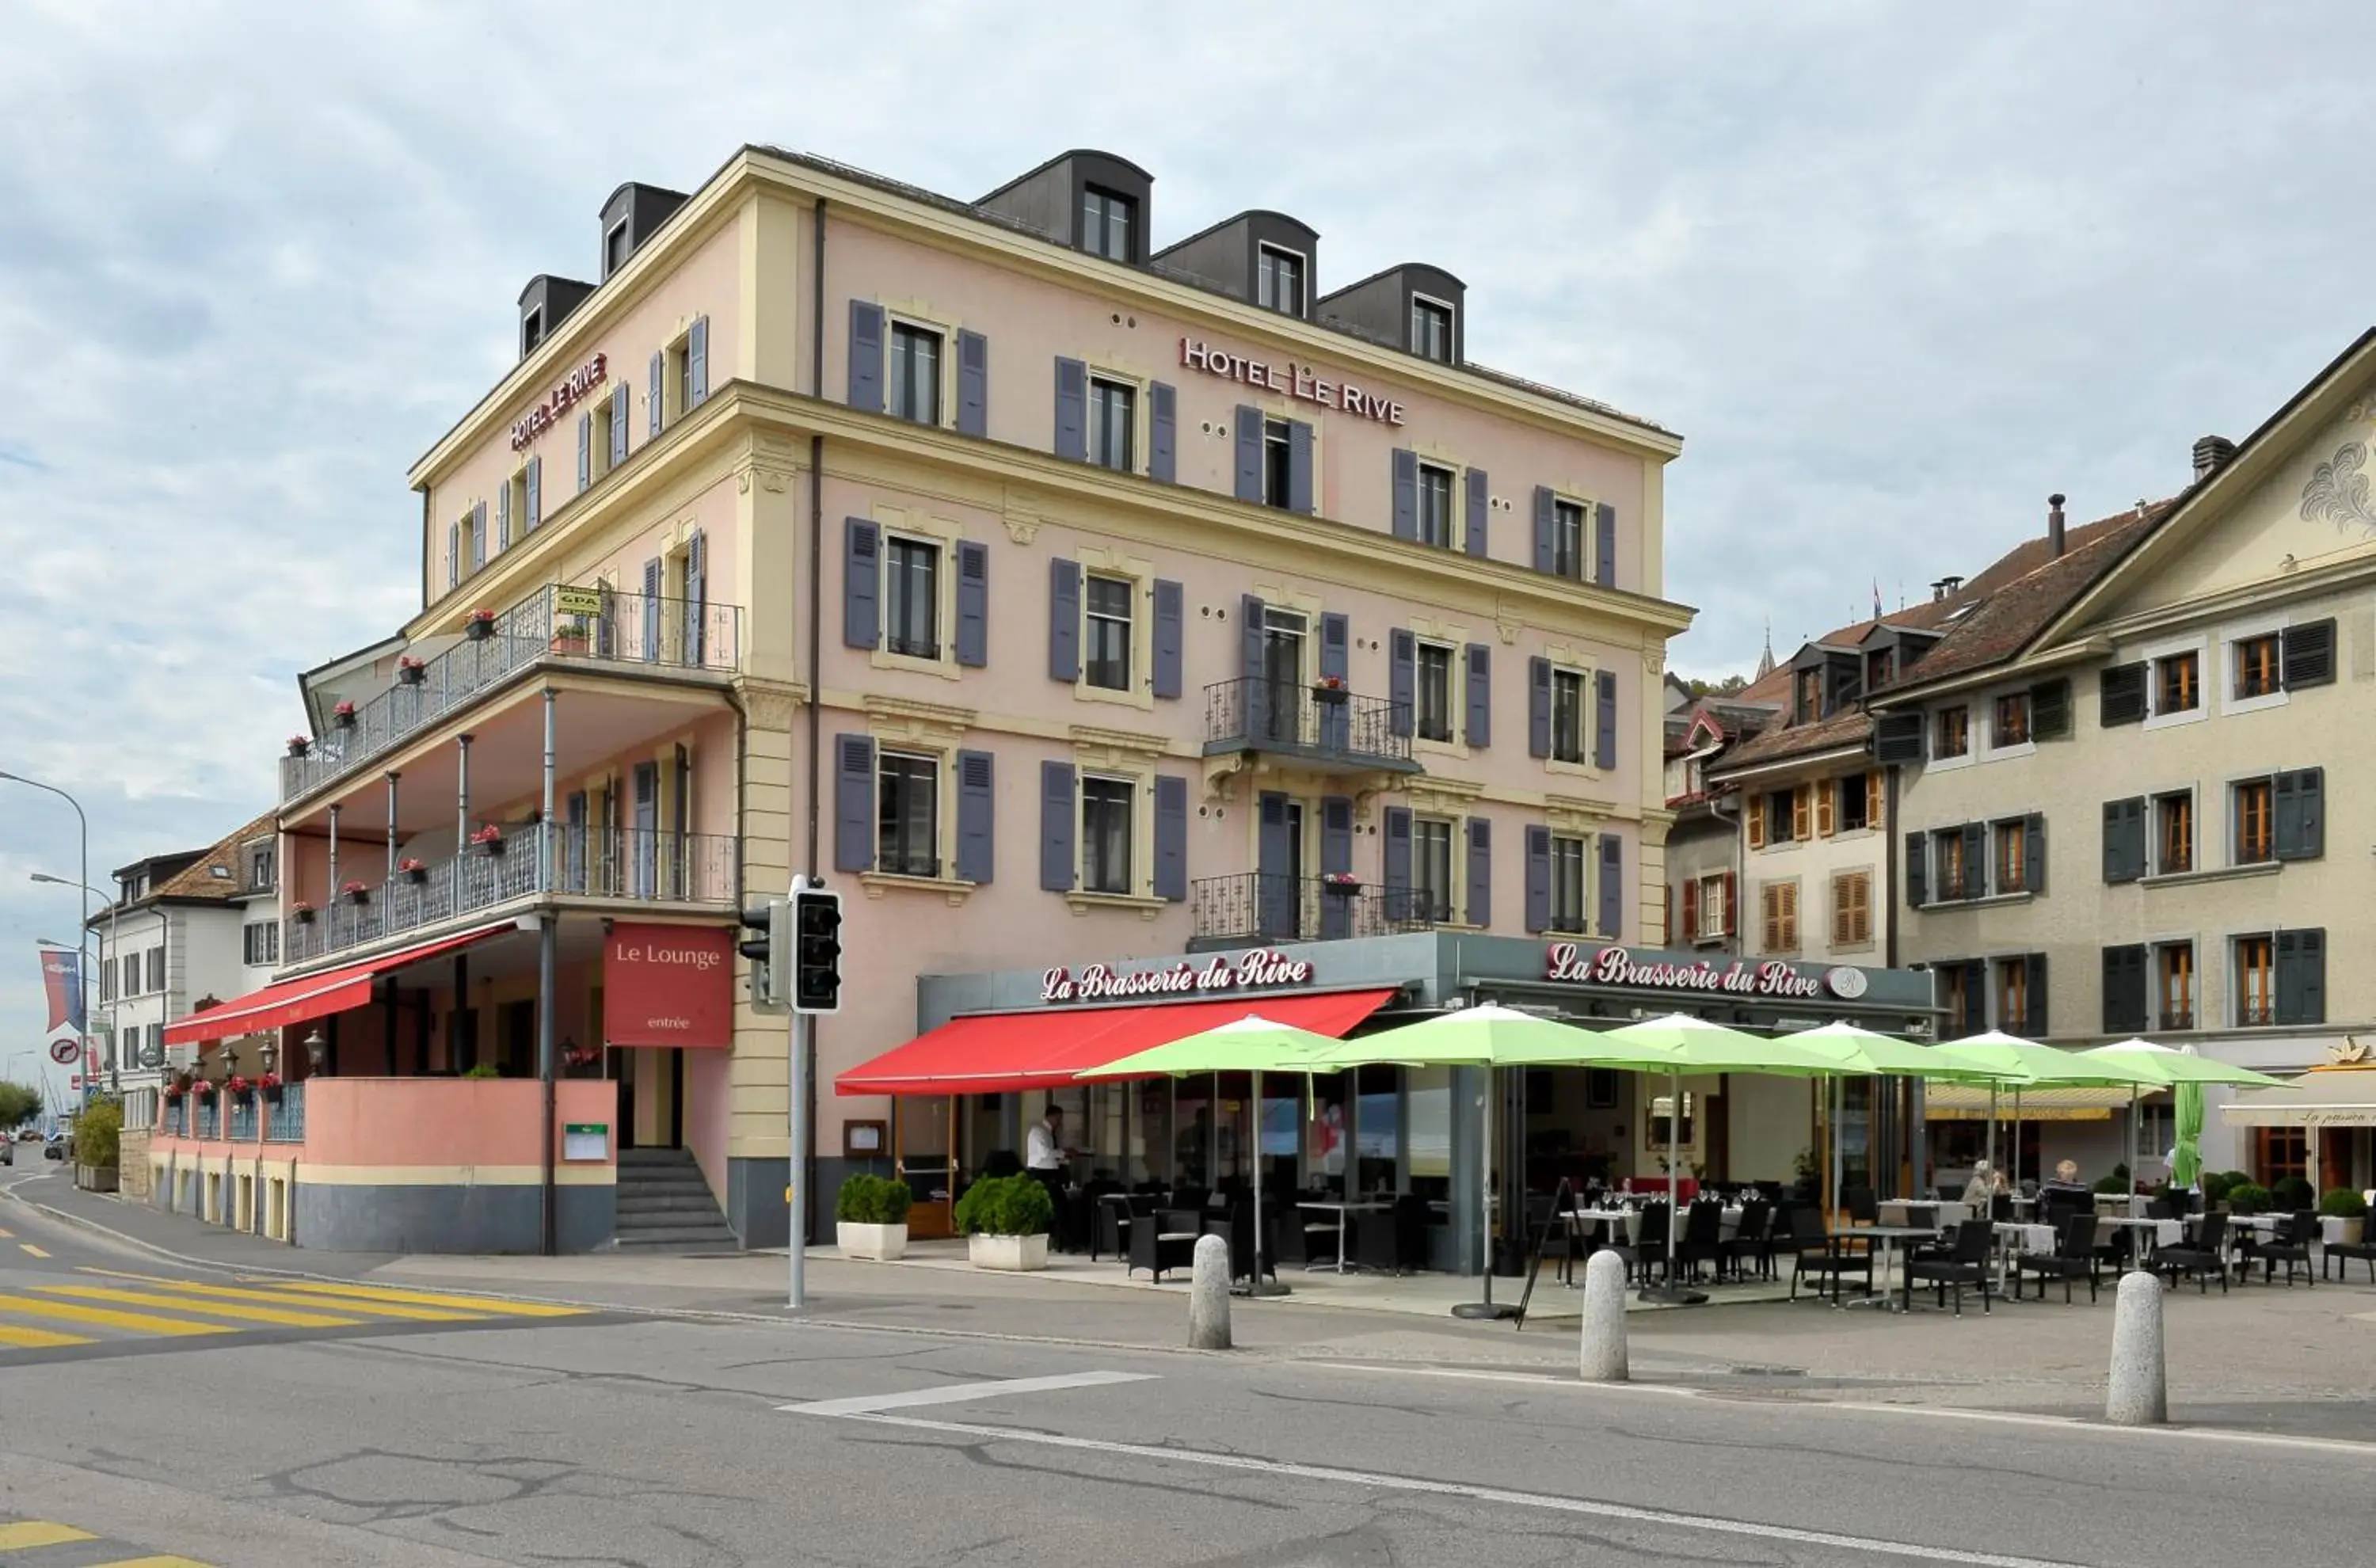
[(2054, 536), (2211, 455)]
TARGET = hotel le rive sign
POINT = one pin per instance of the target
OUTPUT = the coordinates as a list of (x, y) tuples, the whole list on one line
[(565, 393), (1301, 382)]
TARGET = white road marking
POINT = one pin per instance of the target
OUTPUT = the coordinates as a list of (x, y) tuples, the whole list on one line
[(1371, 1481), (960, 1392)]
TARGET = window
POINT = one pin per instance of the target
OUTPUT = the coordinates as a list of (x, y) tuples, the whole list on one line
[(259, 942), (911, 571), (1105, 834), (1432, 867), (2013, 995), (906, 814), (1105, 221), (1279, 463), (1434, 505), (2174, 966), (1107, 661), (1715, 907), (2256, 666), (1808, 703), (1432, 330), (2012, 855), (915, 374), (2256, 981), (2254, 841), (2280, 1152), (2012, 720), (1852, 909), (1856, 803), (1567, 541), (1880, 666), (2174, 832), (1956, 995), (1779, 904), (1781, 816), (1952, 735), (1567, 716), (531, 331), (1567, 883), (156, 968), (1279, 282), (1661, 1134), (259, 868), (1112, 406), (614, 248), (2177, 683), (1954, 875), (1435, 692)]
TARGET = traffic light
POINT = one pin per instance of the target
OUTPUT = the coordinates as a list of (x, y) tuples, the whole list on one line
[(816, 968), (767, 943)]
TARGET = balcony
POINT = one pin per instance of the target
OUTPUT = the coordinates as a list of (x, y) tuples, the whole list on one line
[(2177, 1019), (1251, 907), (1329, 730), (633, 864), (622, 630)]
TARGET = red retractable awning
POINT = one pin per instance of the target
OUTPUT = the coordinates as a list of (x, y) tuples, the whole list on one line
[(1003, 1053), (315, 996)]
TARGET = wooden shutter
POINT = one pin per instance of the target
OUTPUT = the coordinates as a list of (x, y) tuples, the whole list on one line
[(2034, 981), (2124, 990), (1976, 860), (1478, 729), (1731, 903), (696, 361), (1481, 500), (652, 624), (1480, 871), (1300, 489), (1604, 551), (2049, 710), (1539, 707), (1897, 737), (2124, 840), (853, 802), (977, 816), (1402, 679), (1802, 806), (1336, 857), (1876, 788), (479, 536), (1335, 646), (1170, 616), (866, 386), (2033, 852), (973, 603), (1072, 442), (1273, 845), (1171, 838), (1405, 481), (2308, 655), (1789, 904), (1064, 620), (1056, 806), (1162, 432), (696, 598), (2299, 814), (861, 583), (535, 493), (1691, 903), (1539, 878), (1840, 910), (2302, 977), (1612, 887), (504, 516), (1768, 907), (1860, 908), (1604, 735), (655, 394), (1917, 870), (1826, 808), (1395, 862), (585, 451), (1752, 816), (1250, 453), (973, 383), (2120, 695)]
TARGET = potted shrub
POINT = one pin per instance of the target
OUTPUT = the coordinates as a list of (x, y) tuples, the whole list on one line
[(409, 672), (2346, 1212), (357, 893), (239, 1086), (299, 745), (870, 1219), (1329, 691), (271, 1086), (344, 715), (2250, 1197), (206, 1091), (1005, 1220), (487, 840), (573, 638), (412, 871), (2294, 1194), (479, 626), (303, 912), (2214, 1185)]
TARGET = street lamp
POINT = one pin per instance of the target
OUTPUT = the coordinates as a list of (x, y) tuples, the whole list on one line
[(316, 1046), (82, 1022)]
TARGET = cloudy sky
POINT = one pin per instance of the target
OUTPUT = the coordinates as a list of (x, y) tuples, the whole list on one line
[(1895, 275)]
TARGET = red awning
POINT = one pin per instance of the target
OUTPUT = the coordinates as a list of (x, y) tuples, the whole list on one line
[(1003, 1053), (315, 996)]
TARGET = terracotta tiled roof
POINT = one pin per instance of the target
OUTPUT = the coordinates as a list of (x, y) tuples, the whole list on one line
[(200, 881), (1778, 745)]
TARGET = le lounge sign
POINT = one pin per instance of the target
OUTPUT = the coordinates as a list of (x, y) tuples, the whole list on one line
[(1264, 968), (1296, 381), (577, 385), (668, 985), (1570, 962)]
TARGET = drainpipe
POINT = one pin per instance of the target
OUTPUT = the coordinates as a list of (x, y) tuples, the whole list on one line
[(548, 944), (461, 822), (387, 888), (333, 910), (804, 1074)]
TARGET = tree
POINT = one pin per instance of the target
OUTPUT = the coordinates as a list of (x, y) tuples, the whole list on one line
[(19, 1104), (1723, 688)]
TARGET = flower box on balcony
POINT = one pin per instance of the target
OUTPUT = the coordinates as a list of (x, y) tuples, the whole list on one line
[(1340, 883), (205, 1092), (270, 1086), (357, 893), (479, 626), (571, 644), (304, 913), (344, 715), (239, 1088), (299, 745), (1329, 691), (487, 840), (411, 672), (412, 871)]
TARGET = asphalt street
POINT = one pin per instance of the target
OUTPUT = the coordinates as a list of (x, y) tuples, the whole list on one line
[(487, 1436)]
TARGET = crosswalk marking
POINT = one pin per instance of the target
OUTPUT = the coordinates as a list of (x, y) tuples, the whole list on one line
[(32, 1248), (6, 1235), (153, 1562), (24, 1535), (292, 1299), (37, 1338), (278, 1317), (433, 1299), (137, 1323)]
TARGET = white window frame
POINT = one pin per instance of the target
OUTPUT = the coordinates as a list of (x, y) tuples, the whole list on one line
[(944, 600), (1455, 867), (1586, 543), (1451, 327), (1450, 472), (1585, 720), (1453, 692), (2203, 676), (1132, 671), (1932, 761), (1984, 738), (1139, 883), (2230, 638), (1302, 278), (1711, 898)]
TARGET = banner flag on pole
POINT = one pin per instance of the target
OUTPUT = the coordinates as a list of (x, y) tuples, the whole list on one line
[(62, 980)]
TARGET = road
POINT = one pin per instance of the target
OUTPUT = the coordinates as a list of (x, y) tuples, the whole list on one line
[(493, 1435)]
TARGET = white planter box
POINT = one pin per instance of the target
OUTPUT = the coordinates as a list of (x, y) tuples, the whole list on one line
[(2338, 1233), (1013, 1253), (878, 1243)]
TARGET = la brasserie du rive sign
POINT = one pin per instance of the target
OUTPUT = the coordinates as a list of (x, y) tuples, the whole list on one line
[(1570, 962), (1264, 968)]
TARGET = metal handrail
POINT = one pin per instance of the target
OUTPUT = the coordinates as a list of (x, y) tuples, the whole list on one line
[(1255, 714)]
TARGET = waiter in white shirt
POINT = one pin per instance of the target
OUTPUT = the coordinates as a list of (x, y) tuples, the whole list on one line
[(1043, 1157)]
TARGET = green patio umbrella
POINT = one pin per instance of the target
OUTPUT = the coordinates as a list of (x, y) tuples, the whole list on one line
[(2171, 1068), (1863, 1053), (1251, 1044), (2186, 1159), (2030, 1063)]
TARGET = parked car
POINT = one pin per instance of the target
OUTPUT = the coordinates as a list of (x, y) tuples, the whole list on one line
[(55, 1149), (7, 1154)]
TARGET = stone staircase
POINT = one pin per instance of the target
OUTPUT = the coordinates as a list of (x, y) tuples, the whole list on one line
[(664, 1203)]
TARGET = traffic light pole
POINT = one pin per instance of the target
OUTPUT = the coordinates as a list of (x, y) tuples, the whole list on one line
[(802, 1045)]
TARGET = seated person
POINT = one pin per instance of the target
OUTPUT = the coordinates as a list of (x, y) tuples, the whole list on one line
[(1986, 1184), (2066, 1181)]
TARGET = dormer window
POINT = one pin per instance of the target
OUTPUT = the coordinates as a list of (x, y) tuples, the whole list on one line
[(531, 332), (615, 248), (1279, 282), (1105, 223), (1880, 666), (1810, 704), (1430, 330)]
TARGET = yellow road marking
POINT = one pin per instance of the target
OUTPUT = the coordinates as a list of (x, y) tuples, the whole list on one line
[(433, 1299), (37, 1338), (183, 1304), (27, 1534), (154, 1563), (7, 1235), (137, 1323), (32, 1248), (288, 1298)]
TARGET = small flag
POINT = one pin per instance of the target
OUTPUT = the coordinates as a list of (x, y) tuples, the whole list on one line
[(1876, 599), (61, 979)]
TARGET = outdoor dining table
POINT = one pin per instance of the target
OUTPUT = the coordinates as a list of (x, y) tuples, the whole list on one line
[(1344, 1213), (1882, 1241), (1940, 1214), (1629, 1220), (2159, 1233), (2018, 1236)]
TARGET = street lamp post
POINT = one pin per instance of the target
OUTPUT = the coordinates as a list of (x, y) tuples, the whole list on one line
[(82, 1022)]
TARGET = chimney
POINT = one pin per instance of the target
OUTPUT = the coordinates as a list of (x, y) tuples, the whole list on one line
[(2211, 455), (2054, 526)]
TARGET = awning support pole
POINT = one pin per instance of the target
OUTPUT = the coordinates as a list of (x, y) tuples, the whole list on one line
[(548, 948)]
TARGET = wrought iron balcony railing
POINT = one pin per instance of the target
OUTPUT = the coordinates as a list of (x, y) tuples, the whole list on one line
[(621, 629), (639, 864), (284, 1122), (1254, 907), (1326, 725)]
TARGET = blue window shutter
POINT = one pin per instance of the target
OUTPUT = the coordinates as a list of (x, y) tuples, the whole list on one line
[(1162, 432), (1249, 439), (1539, 879), (977, 816), (504, 516), (973, 383), (1171, 838), (1056, 826), (1545, 505), (1479, 731), (696, 357), (861, 583), (1072, 410), (652, 610), (585, 451), (1612, 887), (478, 535), (1336, 646), (1481, 501), (1402, 679), (621, 402), (1604, 552), (535, 493), (453, 555), (1604, 736), (865, 356), (697, 595), (1480, 871), (1539, 707), (1250, 634), (1405, 492), (973, 603), (1276, 896), (853, 802), (1170, 616), (1064, 620), (1271, 848), (1397, 862), (1300, 489), (1336, 856), (656, 393)]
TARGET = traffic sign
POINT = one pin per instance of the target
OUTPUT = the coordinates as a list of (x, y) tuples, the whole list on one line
[(64, 1052)]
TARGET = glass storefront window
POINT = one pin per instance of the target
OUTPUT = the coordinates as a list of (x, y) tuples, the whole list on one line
[(1377, 1129), (1191, 1134), (1328, 1133)]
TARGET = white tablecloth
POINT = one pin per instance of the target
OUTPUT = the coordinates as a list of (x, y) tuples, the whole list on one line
[(1901, 1211), (2026, 1238), (1627, 1222), (2166, 1232)]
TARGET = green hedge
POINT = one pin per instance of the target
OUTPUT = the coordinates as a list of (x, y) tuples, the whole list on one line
[(99, 1131), (2342, 1203), (2249, 1197), (2295, 1193), (1006, 1205), (872, 1200)]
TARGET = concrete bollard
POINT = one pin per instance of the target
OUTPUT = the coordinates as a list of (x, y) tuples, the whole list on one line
[(1208, 1296), (1602, 1357), (2140, 1392)]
